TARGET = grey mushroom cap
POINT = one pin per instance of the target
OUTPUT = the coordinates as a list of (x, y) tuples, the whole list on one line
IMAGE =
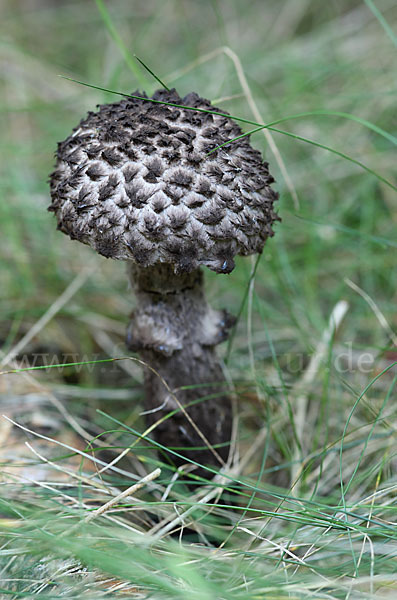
[(135, 182)]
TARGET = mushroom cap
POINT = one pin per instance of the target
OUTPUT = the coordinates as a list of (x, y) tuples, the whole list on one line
[(135, 181)]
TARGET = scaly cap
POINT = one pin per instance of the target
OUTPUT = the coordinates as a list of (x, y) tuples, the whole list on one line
[(135, 182)]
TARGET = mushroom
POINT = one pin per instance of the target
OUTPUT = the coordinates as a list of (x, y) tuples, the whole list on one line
[(137, 182)]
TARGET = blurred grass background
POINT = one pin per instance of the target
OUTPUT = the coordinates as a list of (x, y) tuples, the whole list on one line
[(312, 512)]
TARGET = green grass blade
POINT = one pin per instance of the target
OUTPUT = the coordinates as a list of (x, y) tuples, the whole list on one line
[(337, 153), (106, 18), (375, 10), (357, 402), (156, 77)]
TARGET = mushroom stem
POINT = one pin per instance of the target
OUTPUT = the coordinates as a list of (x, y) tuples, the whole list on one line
[(175, 332)]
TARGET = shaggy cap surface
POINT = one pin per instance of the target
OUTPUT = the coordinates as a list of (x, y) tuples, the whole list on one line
[(135, 181)]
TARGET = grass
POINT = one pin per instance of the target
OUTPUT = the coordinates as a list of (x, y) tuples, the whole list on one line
[(308, 509)]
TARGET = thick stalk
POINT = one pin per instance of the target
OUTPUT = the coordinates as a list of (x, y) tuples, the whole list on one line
[(175, 332)]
